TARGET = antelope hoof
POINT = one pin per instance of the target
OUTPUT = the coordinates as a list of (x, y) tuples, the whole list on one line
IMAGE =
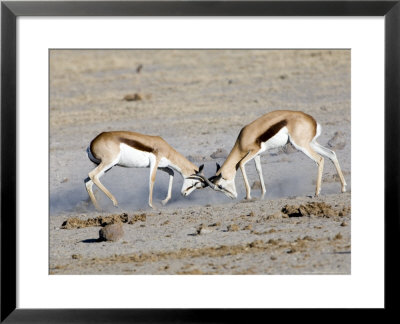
[(115, 203), (343, 189), (164, 202), (151, 205)]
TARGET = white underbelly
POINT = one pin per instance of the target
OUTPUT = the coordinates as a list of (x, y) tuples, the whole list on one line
[(164, 162), (133, 158), (278, 140)]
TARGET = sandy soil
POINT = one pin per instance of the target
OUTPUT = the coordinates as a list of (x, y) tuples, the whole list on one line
[(198, 101)]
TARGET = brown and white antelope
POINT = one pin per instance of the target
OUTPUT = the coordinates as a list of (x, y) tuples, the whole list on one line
[(134, 150), (272, 130)]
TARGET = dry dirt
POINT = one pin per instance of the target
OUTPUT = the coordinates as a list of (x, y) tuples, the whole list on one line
[(198, 101)]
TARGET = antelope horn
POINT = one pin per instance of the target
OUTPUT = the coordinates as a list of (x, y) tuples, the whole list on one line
[(204, 180)]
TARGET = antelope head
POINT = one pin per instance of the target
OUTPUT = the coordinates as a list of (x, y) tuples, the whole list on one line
[(218, 183), (195, 181)]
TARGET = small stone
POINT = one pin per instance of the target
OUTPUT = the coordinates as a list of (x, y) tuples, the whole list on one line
[(337, 141), (220, 153), (205, 230), (215, 224), (139, 68), (133, 97), (197, 158), (76, 256), (233, 228), (248, 227), (112, 232), (338, 236)]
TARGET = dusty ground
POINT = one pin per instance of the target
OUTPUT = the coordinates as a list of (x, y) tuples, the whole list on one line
[(198, 101)]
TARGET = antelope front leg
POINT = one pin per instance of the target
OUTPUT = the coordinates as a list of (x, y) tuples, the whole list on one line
[(89, 188), (257, 161), (94, 177), (153, 171), (246, 181), (171, 179)]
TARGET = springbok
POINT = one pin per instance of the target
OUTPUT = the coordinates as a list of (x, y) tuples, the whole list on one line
[(134, 150), (272, 130)]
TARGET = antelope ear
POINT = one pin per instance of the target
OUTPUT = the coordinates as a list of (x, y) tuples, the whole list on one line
[(201, 168), (218, 167)]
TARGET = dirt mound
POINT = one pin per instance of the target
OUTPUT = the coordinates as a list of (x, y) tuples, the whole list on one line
[(319, 209), (136, 218), (75, 222)]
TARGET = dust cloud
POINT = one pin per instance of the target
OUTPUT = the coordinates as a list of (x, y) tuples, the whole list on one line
[(130, 186)]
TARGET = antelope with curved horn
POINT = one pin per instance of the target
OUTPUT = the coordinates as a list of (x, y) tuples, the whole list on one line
[(134, 150), (272, 130)]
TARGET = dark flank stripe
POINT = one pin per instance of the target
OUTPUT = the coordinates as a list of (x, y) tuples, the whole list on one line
[(135, 144), (272, 131)]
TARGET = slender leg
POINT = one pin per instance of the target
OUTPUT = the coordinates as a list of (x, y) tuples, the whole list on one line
[(95, 178), (257, 161), (320, 170), (242, 163), (320, 162), (331, 156), (153, 171), (89, 186), (171, 179), (307, 149), (339, 171)]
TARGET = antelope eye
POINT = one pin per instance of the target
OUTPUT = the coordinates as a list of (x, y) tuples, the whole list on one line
[(219, 186)]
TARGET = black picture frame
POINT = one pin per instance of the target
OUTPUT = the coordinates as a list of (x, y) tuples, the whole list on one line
[(9, 13)]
